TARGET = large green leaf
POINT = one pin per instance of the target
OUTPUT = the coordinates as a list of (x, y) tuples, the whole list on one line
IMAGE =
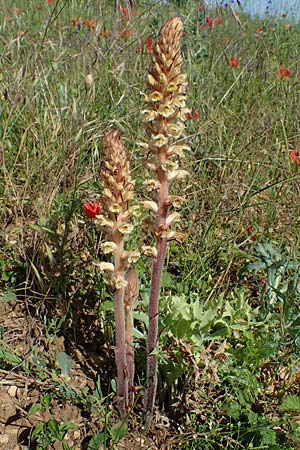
[(291, 403), (65, 363)]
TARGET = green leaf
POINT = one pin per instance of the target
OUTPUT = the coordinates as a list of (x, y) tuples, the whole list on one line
[(107, 306), (291, 403), (34, 409), (65, 426), (54, 429), (118, 431), (37, 431), (113, 385), (65, 363), (10, 358), (95, 442), (8, 297)]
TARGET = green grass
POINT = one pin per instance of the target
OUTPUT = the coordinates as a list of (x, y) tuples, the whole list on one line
[(222, 384)]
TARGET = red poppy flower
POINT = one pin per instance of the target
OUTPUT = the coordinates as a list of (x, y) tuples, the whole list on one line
[(49, 2), (92, 210), (294, 156), (90, 23), (234, 62), (209, 22), (284, 72), (259, 30), (218, 21)]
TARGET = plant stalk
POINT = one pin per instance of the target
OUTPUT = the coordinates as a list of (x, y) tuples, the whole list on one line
[(158, 264), (121, 347)]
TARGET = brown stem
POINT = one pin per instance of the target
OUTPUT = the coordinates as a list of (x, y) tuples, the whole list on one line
[(131, 296), (158, 264), (120, 349), (120, 352), (130, 353)]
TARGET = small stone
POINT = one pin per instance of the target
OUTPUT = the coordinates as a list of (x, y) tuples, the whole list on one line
[(12, 390)]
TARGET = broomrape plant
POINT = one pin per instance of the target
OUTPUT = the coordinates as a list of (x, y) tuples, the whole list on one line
[(116, 223), (164, 114)]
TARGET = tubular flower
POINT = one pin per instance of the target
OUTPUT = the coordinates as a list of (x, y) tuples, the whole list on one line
[(149, 251), (108, 247)]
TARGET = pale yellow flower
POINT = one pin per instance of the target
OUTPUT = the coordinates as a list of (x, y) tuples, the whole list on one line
[(181, 78), (108, 247), (130, 212), (125, 228), (105, 266), (151, 185), (176, 201), (178, 150), (115, 208), (155, 96), (151, 166), (163, 79), (166, 110), (169, 166), (159, 140), (132, 257), (102, 221), (173, 217), (149, 115), (119, 282), (149, 251), (151, 80), (179, 101), (152, 206), (129, 195), (106, 193), (172, 87), (173, 236), (176, 129), (177, 174), (142, 145)]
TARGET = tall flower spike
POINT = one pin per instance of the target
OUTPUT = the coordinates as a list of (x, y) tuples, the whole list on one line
[(118, 190), (164, 101)]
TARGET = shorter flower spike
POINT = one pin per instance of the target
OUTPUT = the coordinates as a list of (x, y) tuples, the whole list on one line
[(118, 191)]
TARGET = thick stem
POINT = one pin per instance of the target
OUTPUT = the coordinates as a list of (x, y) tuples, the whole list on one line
[(120, 352), (130, 353), (158, 264)]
